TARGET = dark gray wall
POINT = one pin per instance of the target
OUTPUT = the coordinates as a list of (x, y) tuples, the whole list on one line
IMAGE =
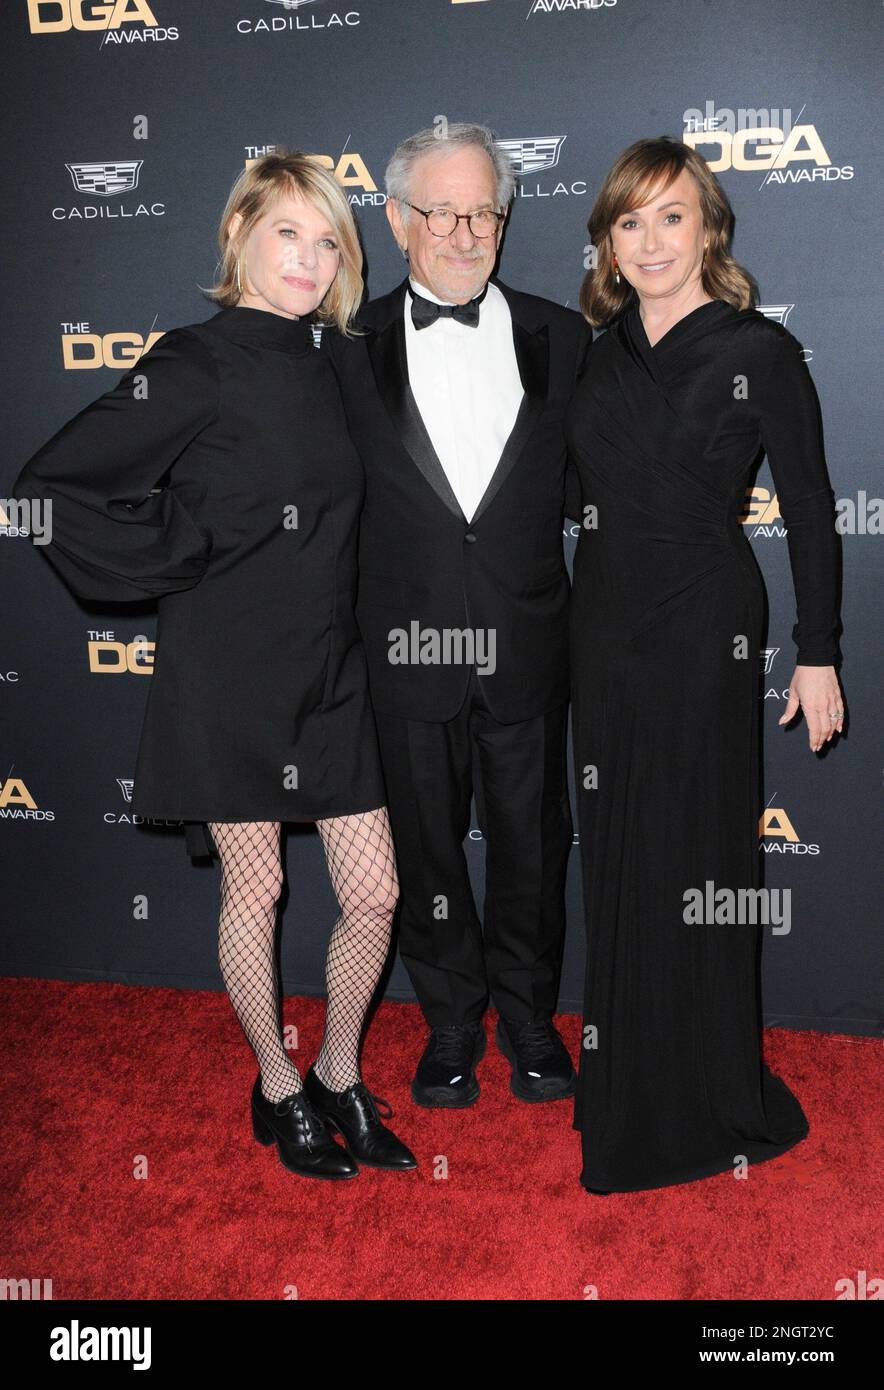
[(217, 83)]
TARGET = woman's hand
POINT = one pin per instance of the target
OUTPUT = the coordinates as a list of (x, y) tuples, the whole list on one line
[(816, 690)]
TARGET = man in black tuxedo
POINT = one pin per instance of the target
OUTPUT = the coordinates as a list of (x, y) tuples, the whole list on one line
[(455, 398)]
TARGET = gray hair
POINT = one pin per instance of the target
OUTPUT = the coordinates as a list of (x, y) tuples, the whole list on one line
[(448, 136)]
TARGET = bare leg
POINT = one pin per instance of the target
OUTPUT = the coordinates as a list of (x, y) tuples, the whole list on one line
[(251, 883), (362, 867)]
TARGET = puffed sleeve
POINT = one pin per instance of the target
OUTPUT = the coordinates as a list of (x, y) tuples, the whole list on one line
[(791, 432), (110, 540)]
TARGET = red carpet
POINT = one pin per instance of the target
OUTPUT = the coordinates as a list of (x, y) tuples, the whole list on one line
[(99, 1079)]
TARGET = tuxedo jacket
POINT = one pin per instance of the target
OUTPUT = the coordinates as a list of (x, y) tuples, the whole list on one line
[(423, 567)]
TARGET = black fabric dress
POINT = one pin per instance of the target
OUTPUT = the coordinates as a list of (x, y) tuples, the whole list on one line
[(666, 728), (258, 706)]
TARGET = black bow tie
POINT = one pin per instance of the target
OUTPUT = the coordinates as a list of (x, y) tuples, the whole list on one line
[(426, 311)]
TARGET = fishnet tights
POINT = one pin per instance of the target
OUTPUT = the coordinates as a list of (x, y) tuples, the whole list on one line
[(362, 868)]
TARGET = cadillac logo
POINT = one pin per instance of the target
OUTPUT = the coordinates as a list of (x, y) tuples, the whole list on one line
[(529, 156), (106, 180)]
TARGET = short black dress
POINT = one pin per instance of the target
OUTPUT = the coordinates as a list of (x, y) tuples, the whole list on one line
[(258, 706)]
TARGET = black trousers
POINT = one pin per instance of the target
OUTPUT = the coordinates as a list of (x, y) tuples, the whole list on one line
[(519, 775)]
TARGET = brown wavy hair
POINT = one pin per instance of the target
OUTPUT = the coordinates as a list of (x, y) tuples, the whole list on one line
[(627, 186), (257, 188)]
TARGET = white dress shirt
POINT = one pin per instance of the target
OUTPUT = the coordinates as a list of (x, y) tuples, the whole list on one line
[(468, 390)]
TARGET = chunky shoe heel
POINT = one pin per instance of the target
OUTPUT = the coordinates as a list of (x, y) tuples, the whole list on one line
[(261, 1130), (301, 1137)]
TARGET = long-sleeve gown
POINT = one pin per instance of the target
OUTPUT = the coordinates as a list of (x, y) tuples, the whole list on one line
[(666, 625)]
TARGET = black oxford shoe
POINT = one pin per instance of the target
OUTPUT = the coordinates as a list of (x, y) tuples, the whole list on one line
[(305, 1145), (446, 1074), (542, 1066), (354, 1114)]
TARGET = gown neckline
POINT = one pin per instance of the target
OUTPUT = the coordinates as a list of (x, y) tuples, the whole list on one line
[(686, 321), (264, 328)]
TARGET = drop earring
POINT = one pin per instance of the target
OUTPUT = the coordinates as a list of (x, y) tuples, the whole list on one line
[(616, 271)]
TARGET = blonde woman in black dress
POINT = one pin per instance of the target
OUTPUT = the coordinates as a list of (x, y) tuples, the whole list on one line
[(683, 390), (258, 710)]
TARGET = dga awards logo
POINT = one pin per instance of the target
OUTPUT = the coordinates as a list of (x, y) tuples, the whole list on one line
[(537, 7), (122, 21), (84, 350), (860, 515), (17, 802), (568, 6), (107, 180), (304, 17), (756, 140), (108, 656), (778, 835), (349, 168), (762, 512), (536, 155)]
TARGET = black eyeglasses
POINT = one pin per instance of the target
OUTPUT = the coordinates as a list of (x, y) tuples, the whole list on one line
[(442, 221)]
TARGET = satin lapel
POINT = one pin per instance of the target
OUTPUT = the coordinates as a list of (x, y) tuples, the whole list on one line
[(532, 355), (389, 361)]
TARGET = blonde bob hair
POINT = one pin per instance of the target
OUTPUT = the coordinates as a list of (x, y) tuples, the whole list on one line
[(628, 186), (255, 191)]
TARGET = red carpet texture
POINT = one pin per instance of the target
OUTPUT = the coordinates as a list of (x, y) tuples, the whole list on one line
[(129, 1170)]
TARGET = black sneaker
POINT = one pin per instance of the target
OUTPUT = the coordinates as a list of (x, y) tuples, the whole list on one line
[(446, 1074), (542, 1066)]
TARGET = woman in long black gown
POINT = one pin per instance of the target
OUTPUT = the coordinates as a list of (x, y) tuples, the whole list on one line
[(258, 710), (680, 394)]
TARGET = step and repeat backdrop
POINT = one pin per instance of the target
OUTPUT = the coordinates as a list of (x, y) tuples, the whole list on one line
[(127, 122)]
